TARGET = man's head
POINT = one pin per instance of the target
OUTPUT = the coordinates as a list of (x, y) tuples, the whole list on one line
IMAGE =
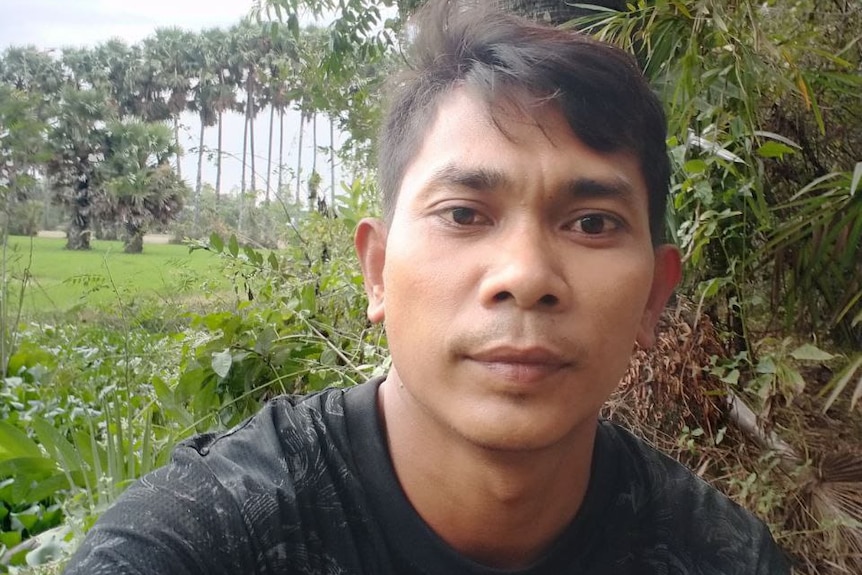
[(516, 267), (507, 61)]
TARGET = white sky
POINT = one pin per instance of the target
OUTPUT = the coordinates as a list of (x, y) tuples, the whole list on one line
[(58, 23)]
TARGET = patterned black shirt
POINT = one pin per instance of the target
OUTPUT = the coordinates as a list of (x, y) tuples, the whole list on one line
[(306, 487)]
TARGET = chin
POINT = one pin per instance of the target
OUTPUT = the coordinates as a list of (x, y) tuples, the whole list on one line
[(507, 434)]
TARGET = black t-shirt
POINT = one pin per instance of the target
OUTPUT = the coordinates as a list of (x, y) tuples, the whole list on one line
[(306, 486)]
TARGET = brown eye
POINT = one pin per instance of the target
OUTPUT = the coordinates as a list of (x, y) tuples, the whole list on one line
[(464, 216), (594, 224)]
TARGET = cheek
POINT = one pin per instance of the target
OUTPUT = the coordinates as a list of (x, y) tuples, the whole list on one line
[(619, 297), (421, 295), (424, 278)]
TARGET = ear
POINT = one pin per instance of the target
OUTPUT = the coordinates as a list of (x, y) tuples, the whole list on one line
[(666, 275), (370, 243)]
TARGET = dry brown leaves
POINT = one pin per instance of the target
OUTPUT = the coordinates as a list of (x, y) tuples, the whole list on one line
[(813, 503)]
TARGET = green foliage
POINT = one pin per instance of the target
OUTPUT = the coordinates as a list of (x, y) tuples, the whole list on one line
[(71, 452), (124, 392), (755, 106), (22, 143), (844, 380), (297, 325)]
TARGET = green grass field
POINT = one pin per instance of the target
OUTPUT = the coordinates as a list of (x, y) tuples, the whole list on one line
[(62, 280)]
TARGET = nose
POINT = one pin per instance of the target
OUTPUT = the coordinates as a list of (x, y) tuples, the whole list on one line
[(526, 270)]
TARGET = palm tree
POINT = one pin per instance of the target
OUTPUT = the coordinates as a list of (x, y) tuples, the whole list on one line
[(32, 70), (77, 142), (78, 66), (276, 94), (113, 72), (205, 94), (216, 45), (312, 87), (170, 52), (143, 187), (554, 12), (558, 12), (250, 42), (22, 151)]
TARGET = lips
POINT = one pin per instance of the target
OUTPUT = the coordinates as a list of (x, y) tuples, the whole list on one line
[(522, 365)]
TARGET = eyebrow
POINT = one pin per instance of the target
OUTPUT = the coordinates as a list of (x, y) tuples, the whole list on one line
[(589, 188), (479, 179), (484, 180)]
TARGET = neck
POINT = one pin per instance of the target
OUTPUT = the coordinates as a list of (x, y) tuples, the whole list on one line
[(500, 508)]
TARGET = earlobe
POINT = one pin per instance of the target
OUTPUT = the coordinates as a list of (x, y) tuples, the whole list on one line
[(667, 273), (370, 243)]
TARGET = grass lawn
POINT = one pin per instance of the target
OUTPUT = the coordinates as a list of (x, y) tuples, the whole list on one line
[(62, 279)]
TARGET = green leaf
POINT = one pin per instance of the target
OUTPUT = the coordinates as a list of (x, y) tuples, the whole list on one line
[(63, 452), (766, 365), (695, 166), (14, 443), (216, 243), (221, 363), (27, 518), (774, 150), (28, 468), (732, 377), (791, 380), (841, 380), (10, 538), (233, 245), (808, 352), (857, 175)]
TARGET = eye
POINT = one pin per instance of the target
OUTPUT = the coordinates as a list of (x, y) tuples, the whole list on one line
[(464, 216), (596, 224)]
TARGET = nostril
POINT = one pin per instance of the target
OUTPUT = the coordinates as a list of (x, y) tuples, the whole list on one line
[(549, 300), (502, 296)]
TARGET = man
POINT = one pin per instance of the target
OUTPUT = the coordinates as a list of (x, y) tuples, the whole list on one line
[(524, 174)]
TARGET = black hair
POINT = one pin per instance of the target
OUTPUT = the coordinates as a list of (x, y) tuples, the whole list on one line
[(599, 88)]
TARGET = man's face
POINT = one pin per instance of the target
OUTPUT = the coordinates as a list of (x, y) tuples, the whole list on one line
[(515, 276)]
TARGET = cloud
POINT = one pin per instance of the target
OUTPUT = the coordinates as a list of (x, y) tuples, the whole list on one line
[(57, 23)]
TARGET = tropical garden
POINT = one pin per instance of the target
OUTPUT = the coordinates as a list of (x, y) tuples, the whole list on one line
[(756, 381)]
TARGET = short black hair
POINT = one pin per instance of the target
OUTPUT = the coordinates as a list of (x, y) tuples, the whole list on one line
[(505, 58)]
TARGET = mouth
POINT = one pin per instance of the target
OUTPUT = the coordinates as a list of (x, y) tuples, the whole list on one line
[(521, 365)]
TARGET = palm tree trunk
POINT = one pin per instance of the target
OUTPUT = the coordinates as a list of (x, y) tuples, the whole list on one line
[(199, 181), (244, 150), (331, 165), (314, 143), (218, 160), (133, 242), (269, 153), (299, 160), (78, 232), (253, 181), (177, 144), (280, 148)]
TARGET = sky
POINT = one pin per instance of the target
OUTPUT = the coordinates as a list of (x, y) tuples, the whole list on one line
[(59, 23)]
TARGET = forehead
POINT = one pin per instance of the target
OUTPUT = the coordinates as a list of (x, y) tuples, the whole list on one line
[(521, 138)]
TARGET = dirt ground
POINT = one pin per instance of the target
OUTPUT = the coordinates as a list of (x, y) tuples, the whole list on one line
[(148, 238)]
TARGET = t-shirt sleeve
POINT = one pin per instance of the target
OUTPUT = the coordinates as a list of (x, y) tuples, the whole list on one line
[(772, 560), (177, 520)]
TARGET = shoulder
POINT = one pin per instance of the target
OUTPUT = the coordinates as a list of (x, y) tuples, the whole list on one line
[(230, 502), (291, 448), (285, 425), (700, 529)]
